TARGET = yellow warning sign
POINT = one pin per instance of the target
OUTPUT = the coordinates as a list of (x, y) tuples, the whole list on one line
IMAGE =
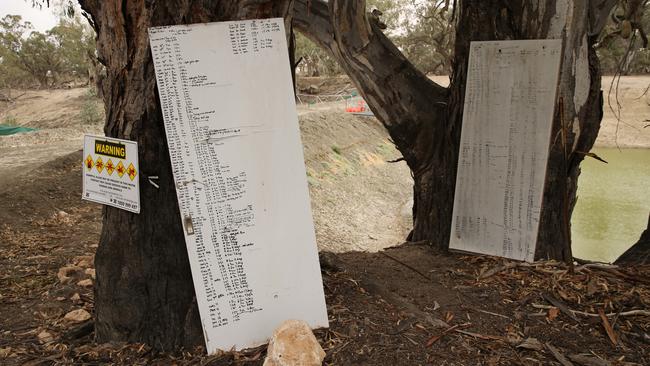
[(99, 164), (89, 163), (131, 172), (120, 169), (110, 167), (105, 173)]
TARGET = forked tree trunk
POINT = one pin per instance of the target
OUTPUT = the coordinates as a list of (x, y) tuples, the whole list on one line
[(424, 119), (144, 290)]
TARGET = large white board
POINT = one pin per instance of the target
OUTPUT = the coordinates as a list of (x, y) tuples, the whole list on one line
[(233, 137), (507, 121)]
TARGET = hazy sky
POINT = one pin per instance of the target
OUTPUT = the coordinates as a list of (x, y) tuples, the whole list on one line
[(41, 19)]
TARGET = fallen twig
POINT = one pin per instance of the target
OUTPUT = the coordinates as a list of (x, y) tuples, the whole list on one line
[(560, 305), (596, 265), (406, 265), (558, 356), (406, 324), (490, 313), (608, 327), (502, 268), (577, 312), (437, 337), (480, 336), (589, 360)]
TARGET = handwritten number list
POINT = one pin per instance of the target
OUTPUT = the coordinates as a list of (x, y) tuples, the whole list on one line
[(203, 175), (508, 113), (232, 130)]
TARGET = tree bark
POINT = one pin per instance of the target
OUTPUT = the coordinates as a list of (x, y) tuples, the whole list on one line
[(639, 253), (292, 59), (144, 290), (424, 119)]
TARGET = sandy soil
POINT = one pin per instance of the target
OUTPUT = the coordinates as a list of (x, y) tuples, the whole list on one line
[(626, 112), (44, 109), (56, 114), (357, 198)]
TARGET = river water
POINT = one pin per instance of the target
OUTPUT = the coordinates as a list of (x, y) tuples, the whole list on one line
[(613, 203)]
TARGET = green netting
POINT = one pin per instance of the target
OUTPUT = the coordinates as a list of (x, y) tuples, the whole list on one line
[(6, 130)]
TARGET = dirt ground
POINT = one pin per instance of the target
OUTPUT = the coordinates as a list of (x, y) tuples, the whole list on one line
[(626, 112), (626, 106), (405, 305), (58, 117), (359, 201)]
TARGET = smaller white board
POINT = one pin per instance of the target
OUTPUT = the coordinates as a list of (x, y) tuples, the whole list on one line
[(110, 172), (504, 146)]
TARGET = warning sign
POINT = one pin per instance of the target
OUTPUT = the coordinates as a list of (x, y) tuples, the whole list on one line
[(104, 156)]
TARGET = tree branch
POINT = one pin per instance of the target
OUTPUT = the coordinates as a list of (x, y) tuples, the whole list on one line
[(410, 105), (599, 11)]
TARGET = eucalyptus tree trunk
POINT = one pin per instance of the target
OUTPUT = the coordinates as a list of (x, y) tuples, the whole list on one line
[(144, 290), (424, 119), (639, 253)]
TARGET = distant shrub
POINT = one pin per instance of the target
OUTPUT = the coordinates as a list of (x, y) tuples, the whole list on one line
[(91, 93), (90, 113)]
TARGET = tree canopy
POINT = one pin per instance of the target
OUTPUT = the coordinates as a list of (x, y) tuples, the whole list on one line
[(26, 55), (422, 30), (424, 33)]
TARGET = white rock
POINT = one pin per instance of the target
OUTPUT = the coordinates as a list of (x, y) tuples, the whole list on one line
[(75, 298), (63, 217), (294, 344), (5, 352), (65, 274), (85, 283), (45, 337), (77, 316), (84, 261), (531, 343), (90, 272)]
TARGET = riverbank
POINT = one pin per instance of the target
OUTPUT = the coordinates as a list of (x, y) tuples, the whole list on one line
[(626, 112)]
